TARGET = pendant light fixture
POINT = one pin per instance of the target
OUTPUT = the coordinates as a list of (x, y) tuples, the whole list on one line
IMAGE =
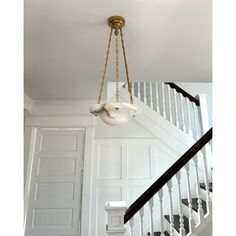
[(115, 113)]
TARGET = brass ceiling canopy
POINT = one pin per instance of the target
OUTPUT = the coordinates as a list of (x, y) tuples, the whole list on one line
[(115, 113), (116, 22)]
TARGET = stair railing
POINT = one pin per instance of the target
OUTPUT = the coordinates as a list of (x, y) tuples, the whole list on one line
[(186, 112), (190, 158)]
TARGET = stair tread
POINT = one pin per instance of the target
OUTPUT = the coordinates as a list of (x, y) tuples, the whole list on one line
[(159, 233), (195, 204), (177, 223), (203, 186)]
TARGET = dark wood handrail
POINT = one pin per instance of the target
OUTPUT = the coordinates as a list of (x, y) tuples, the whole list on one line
[(156, 186), (184, 93)]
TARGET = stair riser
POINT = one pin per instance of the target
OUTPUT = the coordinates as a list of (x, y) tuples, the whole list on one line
[(167, 227), (204, 194), (186, 213)]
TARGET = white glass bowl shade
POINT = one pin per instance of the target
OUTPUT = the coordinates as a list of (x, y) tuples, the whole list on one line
[(114, 113)]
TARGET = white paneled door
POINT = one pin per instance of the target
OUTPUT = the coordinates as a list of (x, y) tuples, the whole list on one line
[(55, 189)]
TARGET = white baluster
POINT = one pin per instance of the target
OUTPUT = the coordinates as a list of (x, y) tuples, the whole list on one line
[(131, 224), (157, 97), (169, 185), (189, 127), (176, 109), (151, 95), (195, 112), (181, 216), (206, 177), (181, 99), (141, 214), (200, 210), (139, 91), (160, 193), (169, 101), (144, 93), (163, 100), (151, 204), (132, 88), (191, 220)]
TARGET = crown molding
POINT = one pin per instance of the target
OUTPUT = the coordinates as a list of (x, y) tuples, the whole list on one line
[(28, 103)]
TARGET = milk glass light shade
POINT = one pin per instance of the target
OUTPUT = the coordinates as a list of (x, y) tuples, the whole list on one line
[(114, 113)]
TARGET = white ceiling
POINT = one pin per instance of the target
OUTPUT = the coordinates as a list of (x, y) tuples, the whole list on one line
[(65, 44)]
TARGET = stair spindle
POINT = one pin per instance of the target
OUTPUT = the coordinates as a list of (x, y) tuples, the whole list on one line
[(151, 204), (132, 88), (157, 98), (195, 112), (199, 200), (206, 177), (189, 128), (131, 224), (160, 194), (163, 100), (176, 109), (138, 91), (169, 185), (151, 95), (144, 93), (169, 102), (141, 215), (181, 98), (191, 220), (181, 216)]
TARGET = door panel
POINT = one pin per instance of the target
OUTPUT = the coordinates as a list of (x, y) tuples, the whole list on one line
[(55, 188)]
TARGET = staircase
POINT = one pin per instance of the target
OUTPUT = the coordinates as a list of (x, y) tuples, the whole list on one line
[(179, 203), (176, 218), (195, 207), (173, 103)]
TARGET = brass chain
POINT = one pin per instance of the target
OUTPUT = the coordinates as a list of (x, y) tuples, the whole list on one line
[(105, 67), (117, 67), (126, 66)]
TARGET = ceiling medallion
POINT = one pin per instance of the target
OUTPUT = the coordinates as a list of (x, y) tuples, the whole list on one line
[(115, 113)]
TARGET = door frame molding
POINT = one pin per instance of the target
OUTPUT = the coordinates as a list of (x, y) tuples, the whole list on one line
[(85, 123), (30, 147)]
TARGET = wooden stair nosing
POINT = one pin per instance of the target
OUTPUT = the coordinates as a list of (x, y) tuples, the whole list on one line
[(203, 186), (195, 204), (159, 233)]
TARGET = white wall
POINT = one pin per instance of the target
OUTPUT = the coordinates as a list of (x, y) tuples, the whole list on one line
[(200, 88), (126, 161), (207, 231), (61, 107), (131, 130)]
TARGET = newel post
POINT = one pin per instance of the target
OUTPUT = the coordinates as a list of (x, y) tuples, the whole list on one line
[(204, 118), (204, 113), (115, 218)]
